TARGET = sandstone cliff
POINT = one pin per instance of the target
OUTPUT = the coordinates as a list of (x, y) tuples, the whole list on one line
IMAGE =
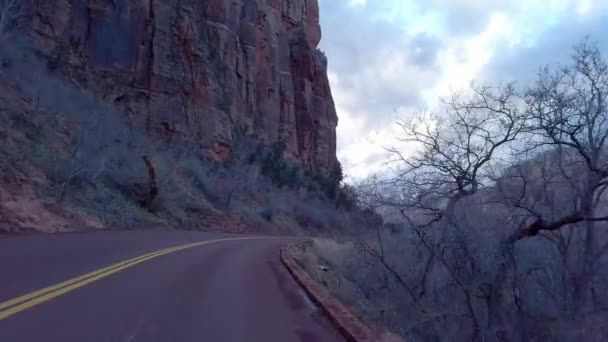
[(201, 69)]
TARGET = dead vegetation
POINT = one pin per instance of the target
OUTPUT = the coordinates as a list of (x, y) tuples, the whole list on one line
[(89, 160), (499, 219)]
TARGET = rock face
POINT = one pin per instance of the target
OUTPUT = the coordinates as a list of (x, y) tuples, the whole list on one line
[(201, 69)]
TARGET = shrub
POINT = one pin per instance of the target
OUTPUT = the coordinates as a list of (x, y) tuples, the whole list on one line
[(266, 214)]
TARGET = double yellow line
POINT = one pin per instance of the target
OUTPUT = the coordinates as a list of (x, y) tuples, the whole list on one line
[(18, 304)]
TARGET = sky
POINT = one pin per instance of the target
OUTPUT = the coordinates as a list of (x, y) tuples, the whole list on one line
[(389, 59)]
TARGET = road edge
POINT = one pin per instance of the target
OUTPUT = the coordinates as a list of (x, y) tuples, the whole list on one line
[(349, 325)]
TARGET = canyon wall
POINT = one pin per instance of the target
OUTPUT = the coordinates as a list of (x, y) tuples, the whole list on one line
[(207, 70)]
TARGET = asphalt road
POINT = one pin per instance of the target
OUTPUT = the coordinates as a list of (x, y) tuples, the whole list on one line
[(227, 290)]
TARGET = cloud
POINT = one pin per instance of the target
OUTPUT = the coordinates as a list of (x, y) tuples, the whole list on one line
[(550, 47), (357, 2), (389, 58)]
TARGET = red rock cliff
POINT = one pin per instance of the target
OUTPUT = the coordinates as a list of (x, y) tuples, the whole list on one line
[(203, 69)]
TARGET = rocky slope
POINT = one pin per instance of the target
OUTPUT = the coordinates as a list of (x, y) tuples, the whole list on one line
[(199, 69)]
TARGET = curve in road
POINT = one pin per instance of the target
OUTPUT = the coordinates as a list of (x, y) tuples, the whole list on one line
[(160, 286)]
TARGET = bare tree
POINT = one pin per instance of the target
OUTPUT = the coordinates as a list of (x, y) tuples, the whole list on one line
[(470, 200), (459, 151), (569, 113), (569, 126), (87, 159), (459, 148), (245, 172)]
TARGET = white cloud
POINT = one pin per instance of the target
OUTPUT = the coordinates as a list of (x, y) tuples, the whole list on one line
[(462, 61), (391, 57), (357, 2)]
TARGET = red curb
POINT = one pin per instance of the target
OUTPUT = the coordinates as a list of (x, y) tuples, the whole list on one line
[(348, 324)]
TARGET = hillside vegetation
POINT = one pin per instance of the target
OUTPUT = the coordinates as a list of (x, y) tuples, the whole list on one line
[(70, 160)]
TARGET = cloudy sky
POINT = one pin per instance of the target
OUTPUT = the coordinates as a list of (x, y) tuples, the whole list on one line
[(388, 58)]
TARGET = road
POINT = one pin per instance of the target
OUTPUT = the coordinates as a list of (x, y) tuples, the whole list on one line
[(93, 287)]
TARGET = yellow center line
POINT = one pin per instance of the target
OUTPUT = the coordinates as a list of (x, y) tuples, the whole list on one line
[(29, 300), (40, 292)]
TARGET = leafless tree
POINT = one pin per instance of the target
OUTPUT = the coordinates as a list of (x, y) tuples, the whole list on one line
[(503, 197), (244, 172), (86, 160), (458, 148), (569, 113), (566, 192)]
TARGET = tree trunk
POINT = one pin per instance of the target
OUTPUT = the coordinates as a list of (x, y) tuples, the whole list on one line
[(498, 306), (584, 277), (152, 186)]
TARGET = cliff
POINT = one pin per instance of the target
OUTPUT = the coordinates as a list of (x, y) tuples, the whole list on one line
[(204, 70)]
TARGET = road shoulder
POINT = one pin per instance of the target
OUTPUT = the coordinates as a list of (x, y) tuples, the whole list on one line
[(351, 327)]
